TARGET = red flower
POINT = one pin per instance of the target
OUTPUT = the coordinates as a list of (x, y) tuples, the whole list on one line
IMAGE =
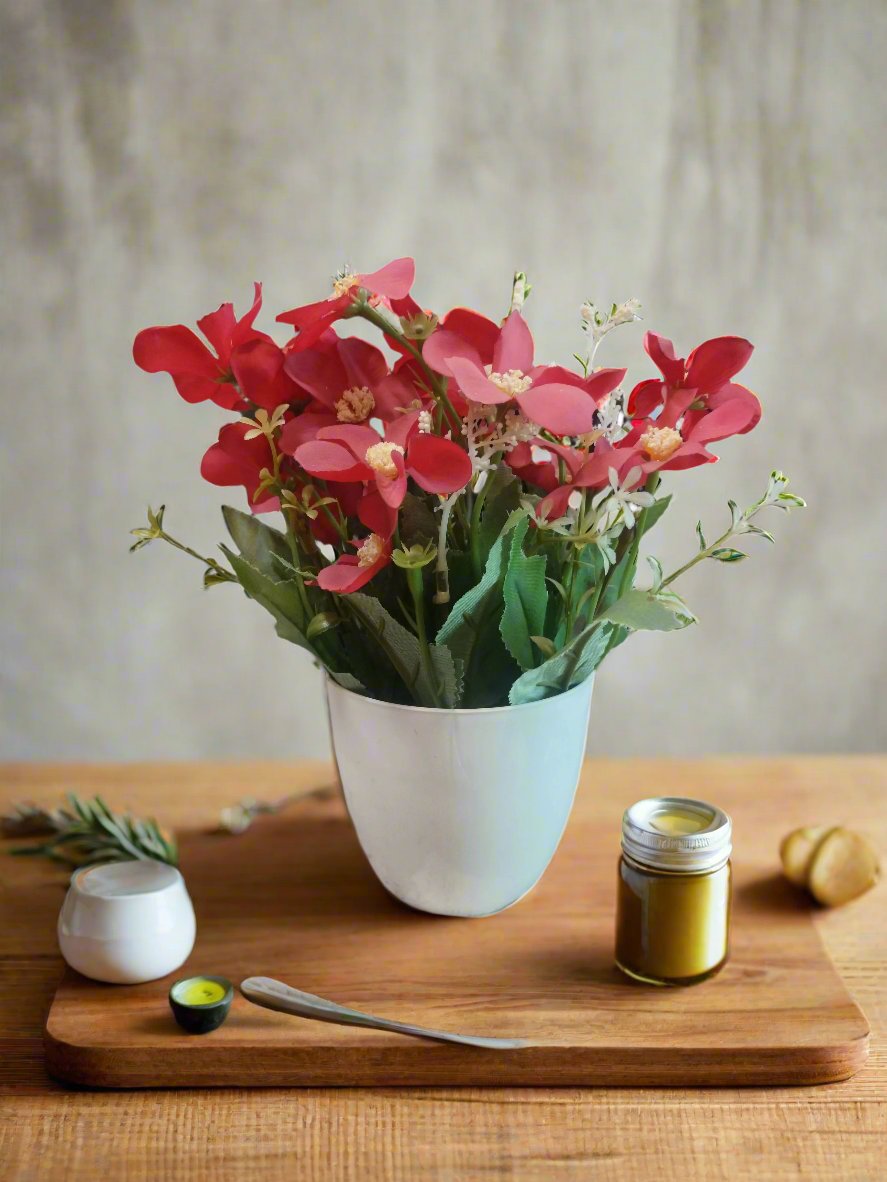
[(692, 388), (198, 372), (350, 381), (557, 399), (238, 460), (391, 282)]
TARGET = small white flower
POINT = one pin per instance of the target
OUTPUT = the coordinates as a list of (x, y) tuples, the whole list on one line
[(614, 499), (425, 422)]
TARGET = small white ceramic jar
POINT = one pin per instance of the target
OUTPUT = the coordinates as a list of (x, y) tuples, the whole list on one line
[(126, 922)]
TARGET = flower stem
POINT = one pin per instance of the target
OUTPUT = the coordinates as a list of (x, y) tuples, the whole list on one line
[(415, 582), (438, 385), (214, 566)]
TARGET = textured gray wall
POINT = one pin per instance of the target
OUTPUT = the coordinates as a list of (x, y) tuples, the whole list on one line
[(721, 161)]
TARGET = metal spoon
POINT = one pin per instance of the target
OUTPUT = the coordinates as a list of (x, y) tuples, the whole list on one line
[(274, 995)]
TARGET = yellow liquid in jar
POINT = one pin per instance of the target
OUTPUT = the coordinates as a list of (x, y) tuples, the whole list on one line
[(678, 822), (200, 993)]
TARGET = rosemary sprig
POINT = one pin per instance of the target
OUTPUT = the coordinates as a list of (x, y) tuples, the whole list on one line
[(86, 832)]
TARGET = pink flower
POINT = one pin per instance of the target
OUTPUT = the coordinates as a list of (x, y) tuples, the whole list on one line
[(701, 384), (390, 283), (555, 398), (198, 372), (359, 453), (350, 572)]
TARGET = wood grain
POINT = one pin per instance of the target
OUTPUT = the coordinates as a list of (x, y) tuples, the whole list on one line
[(294, 898), (47, 1131)]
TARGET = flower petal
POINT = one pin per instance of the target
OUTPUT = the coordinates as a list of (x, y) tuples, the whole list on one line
[(742, 396), (514, 348), (565, 410), (174, 349), (714, 362), (331, 461), (437, 465), (474, 383), (376, 515), (394, 280), (346, 574), (393, 489), (364, 364), (217, 328), (258, 366), (355, 436), (303, 428), (442, 345), (601, 384), (319, 371), (476, 330), (661, 352)]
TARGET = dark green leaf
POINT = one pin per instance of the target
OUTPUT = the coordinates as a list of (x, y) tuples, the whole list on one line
[(526, 599)]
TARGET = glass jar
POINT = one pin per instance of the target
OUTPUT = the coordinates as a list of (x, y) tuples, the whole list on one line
[(673, 904)]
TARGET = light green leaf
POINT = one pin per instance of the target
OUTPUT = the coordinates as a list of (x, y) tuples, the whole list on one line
[(700, 535), (645, 611), (728, 554), (526, 599), (321, 623), (402, 649), (658, 573), (566, 669)]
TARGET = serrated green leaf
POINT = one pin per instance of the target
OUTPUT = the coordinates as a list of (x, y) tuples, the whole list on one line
[(566, 669), (728, 554), (502, 498), (526, 599), (402, 649), (280, 597), (644, 611)]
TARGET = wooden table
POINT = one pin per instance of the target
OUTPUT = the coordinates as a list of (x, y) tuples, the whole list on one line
[(49, 1132)]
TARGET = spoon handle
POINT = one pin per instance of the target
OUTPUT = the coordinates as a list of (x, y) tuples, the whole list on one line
[(274, 995)]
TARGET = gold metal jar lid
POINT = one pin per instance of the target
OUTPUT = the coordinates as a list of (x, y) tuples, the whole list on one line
[(677, 834)]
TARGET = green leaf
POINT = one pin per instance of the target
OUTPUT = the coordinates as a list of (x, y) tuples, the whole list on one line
[(658, 573), (645, 611), (259, 543), (402, 649), (471, 633), (502, 498), (545, 646), (700, 535), (566, 669), (728, 554), (347, 681), (526, 599), (280, 597), (416, 522)]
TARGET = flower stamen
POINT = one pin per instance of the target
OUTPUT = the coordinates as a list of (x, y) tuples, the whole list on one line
[(355, 405), (660, 443), (512, 382), (378, 457), (371, 551)]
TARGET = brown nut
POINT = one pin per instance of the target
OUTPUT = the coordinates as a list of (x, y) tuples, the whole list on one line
[(844, 866), (797, 850)]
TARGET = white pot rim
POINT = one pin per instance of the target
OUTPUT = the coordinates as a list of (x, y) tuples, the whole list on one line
[(382, 704)]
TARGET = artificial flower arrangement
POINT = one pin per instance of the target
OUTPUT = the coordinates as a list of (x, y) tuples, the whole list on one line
[(460, 522)]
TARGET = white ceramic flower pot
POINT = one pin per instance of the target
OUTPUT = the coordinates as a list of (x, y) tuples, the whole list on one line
[(459, 811)]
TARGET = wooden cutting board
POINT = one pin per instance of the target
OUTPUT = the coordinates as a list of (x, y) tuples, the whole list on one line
[(293, 898)]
